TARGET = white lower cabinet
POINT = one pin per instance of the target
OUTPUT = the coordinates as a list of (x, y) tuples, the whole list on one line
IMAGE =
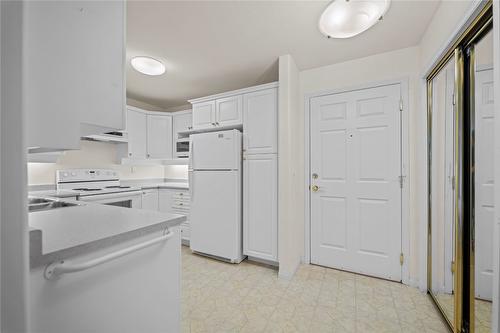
[(150, 199), (176, 201), (141, 285), (260, 206)]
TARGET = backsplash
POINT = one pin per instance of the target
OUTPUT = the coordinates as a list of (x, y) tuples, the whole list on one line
[(100, 155)]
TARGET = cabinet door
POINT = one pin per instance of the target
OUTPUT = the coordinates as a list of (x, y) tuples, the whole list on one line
[(150, 199), (260, 207), (182, 122), (260, 122), (228, 111), (67, 88), (137, 138), (204, 115), (166, 200), (159, 136)]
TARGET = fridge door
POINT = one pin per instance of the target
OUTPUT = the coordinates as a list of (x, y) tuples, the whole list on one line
[(216, 150), (215, 215)]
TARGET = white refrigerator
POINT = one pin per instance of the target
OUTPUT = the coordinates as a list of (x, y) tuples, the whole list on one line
[(215, 184)]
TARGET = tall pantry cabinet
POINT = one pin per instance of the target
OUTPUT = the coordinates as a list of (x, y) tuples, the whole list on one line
[(260, 174)]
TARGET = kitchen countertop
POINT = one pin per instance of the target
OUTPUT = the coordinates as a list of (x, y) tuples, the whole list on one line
[(54, 193), (178, 185), (69, 231)]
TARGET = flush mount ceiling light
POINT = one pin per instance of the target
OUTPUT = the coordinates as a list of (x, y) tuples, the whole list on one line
[(348, 18), (148, 65)]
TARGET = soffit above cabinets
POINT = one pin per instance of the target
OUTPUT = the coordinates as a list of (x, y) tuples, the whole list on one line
[(209, 47)]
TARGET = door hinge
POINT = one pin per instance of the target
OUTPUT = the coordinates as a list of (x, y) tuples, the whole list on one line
[(453, 183), (401, 104), (401, 181), (453, 267), (401, 259), (454, 101)]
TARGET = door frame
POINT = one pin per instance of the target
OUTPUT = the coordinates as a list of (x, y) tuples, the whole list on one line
[(405, 169)]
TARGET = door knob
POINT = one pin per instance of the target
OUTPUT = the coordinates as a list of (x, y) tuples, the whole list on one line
[(315, 188)]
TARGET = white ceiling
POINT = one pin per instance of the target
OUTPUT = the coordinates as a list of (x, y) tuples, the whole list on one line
[(214, 46)]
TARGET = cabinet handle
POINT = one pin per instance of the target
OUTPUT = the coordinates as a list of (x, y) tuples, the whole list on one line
[(213, 124), (217, 123), (149, 156), (181, 193), (129, 154)]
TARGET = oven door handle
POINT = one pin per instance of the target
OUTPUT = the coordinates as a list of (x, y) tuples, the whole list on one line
[(100, 197), (58, 268)]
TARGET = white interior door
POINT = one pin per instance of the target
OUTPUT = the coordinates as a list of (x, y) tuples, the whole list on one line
[(356, 163), (484, 186)]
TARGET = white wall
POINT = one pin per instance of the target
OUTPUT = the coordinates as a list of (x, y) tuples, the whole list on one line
[(290, 164), (392, 65), (14, 214), (143, 105), (176, 172), (91, 155), (441, 28)]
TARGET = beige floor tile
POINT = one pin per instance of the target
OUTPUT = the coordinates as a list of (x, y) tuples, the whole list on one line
[(221, 297)]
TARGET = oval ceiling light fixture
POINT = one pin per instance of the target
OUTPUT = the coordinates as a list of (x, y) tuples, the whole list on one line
[(348, 18), (148, 65)]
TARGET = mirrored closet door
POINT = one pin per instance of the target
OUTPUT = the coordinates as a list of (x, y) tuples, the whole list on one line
[(442, 202), (482, 176), (460, 116)]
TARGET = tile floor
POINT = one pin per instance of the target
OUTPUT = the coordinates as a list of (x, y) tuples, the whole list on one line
[(221, 297)]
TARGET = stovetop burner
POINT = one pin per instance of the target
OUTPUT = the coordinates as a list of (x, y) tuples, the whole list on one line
[(117, 186), (86, 189)]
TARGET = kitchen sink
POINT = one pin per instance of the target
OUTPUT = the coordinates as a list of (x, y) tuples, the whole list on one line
[(40, 204)]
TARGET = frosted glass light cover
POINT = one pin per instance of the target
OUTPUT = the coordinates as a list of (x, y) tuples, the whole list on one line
[(148, 65), (348, 18)]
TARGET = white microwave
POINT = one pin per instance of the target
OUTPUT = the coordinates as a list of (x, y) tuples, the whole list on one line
[(182, 148)]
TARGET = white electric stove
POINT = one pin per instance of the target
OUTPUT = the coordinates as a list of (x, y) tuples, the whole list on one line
[(100, 186)]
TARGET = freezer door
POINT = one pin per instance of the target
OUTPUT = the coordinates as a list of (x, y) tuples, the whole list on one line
[(216, 150), (215, 215)]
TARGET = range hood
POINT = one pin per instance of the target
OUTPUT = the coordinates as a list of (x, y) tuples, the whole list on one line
[(116, 136)]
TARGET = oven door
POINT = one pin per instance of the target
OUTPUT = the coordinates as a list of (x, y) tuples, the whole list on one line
[(130, 199)]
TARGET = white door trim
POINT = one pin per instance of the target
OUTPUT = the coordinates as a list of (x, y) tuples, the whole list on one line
[(405, 200)]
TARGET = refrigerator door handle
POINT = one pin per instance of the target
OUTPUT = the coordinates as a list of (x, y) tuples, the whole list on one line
[(190, 162), (190, 184)]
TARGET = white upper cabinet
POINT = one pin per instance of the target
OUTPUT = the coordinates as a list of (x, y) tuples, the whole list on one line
[(204, 115), (137, 134), (74, 56), (159, 136), (183, 121), (149, 134), (228, 111), (260, 122)]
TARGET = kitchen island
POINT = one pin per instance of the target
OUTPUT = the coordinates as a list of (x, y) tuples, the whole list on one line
[(99, 268)]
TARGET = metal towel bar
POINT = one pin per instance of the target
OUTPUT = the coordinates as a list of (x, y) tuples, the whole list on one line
[(58, 268)]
